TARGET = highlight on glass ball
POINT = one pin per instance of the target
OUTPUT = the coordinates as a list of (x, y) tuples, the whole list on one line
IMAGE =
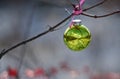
[(77, 37)]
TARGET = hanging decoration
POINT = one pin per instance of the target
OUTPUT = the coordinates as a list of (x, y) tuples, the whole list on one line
[(77, 36)]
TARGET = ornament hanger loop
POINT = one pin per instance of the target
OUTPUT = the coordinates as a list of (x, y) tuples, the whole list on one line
[(77, 8)]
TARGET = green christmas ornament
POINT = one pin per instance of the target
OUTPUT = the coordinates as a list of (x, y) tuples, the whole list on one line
[(77, 37)]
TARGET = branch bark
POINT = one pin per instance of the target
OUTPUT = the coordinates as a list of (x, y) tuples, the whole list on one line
[(100, 16), (100, 3), (5, 51)]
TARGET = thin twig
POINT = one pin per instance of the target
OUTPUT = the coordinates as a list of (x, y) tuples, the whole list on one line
[(33, 38), (73, 5), (100, 16), (78, 1), (67, 11), (100, 3)]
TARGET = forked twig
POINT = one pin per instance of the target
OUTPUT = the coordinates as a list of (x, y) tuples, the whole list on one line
[(100, 16), (100, 3)]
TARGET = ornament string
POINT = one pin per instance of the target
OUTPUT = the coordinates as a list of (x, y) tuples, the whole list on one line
[(77, 10)]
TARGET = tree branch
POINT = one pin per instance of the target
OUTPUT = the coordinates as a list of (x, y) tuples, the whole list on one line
[(100, 3), (51, 29), (100, 16), (35, 37)]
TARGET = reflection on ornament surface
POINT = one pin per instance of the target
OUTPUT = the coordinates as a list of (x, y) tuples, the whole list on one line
[(77, 37)]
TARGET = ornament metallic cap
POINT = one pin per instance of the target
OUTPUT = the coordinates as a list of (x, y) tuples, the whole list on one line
[(76, 21)]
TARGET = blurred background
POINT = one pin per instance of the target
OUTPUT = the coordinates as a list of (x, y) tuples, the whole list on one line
[(23, 19)]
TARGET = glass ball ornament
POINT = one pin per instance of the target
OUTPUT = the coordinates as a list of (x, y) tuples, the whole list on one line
[(77, 37)]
